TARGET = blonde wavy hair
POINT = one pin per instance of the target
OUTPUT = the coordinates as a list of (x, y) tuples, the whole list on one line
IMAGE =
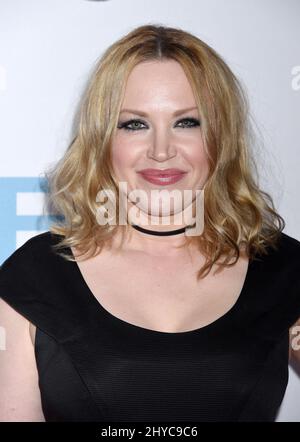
[(237, 212)]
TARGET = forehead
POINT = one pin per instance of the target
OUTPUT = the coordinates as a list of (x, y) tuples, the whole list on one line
[(158, 81)]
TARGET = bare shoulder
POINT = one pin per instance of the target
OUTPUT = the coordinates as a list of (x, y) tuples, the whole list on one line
[(20, 395), (32, 331)]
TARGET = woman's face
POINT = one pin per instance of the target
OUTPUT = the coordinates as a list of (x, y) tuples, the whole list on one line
[(159, 128)]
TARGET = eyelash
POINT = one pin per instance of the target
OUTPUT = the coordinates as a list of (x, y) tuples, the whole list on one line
[(125, 125)]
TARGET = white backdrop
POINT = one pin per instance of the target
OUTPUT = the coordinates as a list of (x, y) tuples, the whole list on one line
[(48, 47)]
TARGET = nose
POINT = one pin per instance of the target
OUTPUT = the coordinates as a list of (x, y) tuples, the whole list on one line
[(161, 147)]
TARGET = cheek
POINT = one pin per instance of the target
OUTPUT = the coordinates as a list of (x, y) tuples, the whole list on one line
[(197, 156), (122, 155)]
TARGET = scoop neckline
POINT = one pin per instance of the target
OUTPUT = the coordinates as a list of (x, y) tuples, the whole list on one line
[(128, 326)]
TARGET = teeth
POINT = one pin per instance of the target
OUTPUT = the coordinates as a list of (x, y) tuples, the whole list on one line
[(165, 179)]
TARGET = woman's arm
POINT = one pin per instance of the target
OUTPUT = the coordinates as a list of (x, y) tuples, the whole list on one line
[(295, 343), (20, 395)]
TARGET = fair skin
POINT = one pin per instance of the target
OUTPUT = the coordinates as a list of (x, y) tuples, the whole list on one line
[(163, 126), (138, 285), (20, 395)]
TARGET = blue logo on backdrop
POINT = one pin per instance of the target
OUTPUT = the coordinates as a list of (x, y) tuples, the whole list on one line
[(11, 220)]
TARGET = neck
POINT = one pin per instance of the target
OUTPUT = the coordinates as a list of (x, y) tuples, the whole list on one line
[(157, 235)]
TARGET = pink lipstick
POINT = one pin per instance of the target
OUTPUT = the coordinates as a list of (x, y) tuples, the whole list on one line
[(162, 177)]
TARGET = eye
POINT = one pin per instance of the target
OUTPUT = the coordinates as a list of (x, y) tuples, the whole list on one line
[(132, 124), (189, 122), (136, 124)]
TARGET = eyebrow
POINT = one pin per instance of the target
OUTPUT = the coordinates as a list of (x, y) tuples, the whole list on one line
[(144, 114)]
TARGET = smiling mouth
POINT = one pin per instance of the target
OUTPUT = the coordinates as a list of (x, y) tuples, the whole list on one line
[(163, 179)]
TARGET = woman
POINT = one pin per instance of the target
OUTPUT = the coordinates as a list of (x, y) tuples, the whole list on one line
[(142, 321)]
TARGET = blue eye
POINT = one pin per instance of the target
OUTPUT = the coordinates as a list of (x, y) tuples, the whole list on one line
[(189, 122), (135, 124), (131, 125)]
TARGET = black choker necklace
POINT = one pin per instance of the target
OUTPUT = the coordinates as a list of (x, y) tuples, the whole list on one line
[(153, 232)]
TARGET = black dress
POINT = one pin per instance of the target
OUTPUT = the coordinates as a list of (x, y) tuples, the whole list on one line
[(94, 366)]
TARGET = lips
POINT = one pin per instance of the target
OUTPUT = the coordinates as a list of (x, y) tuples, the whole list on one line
[(161, 172), (162, 177)]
